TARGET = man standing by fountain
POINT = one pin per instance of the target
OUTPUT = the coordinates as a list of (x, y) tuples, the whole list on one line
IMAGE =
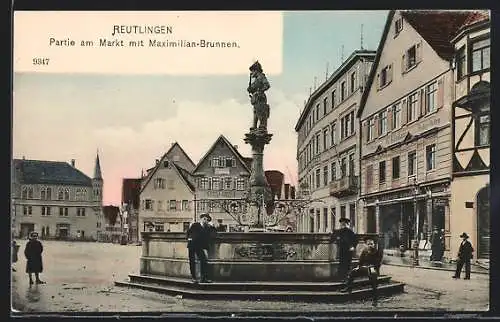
[(199, 236), (346, 242)]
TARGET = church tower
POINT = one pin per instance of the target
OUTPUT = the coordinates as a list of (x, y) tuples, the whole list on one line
[(97, 181)]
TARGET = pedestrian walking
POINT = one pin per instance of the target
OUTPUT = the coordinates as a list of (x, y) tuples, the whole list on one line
[(15, 251), (369, 265), (198, 236), (437, 243), (33, 252), (346, 243), (464, 256)]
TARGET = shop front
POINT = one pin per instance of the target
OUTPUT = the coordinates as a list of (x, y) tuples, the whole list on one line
[(409, 215)]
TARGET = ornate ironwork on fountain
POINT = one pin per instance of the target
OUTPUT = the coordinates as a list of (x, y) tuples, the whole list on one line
[(266, 252)]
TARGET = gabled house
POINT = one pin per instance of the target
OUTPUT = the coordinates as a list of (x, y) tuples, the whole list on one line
[(167, 194), (406, 137), (221, 174)]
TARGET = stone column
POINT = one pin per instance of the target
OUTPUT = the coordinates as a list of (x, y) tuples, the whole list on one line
[(402, 227), (430, 209), (379, 228), (259, 188), (322, 227), (331, 223)]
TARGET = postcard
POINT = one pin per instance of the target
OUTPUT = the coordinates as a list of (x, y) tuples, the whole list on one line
[(250, 162)]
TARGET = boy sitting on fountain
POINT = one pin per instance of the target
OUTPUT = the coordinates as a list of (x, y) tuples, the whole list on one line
[(369, 265)]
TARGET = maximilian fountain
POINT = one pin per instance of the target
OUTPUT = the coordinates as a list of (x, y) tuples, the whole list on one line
[(253, 264)]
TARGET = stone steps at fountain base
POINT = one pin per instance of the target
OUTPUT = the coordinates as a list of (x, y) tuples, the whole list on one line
[(252, 285), (281, 291)]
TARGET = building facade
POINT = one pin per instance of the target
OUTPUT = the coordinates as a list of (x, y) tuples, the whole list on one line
[(470, 205), (406, 136), (167, 193), (221, 175), (56, 200), (328, 147)]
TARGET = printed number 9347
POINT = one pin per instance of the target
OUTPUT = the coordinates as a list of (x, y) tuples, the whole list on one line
[(41, 61)]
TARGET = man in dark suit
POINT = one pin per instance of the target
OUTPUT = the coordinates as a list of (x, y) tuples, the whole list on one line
[(369, 265), (346, 243), (199, 236), (464, 256)]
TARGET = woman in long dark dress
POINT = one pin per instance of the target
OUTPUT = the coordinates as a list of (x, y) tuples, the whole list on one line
[(33, 253)]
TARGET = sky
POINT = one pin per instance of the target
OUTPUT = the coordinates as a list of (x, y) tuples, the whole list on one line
[(133, 119)]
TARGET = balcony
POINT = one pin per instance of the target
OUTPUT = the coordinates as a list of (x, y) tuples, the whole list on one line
[(345, 186)]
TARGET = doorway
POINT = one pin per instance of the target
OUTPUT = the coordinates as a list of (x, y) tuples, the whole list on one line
[(483, 223), (63, 231), (371, 220), (26, 228)]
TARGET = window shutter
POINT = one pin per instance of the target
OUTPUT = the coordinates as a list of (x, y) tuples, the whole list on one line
[(418, 52), (404, 112), (365, 131), (422, 102), (403, 64), (389, 74), (389, 118), (440, 93), (376, 131), (378, 81)]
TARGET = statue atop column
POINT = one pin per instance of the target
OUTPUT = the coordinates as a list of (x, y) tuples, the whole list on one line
[(257, 86)]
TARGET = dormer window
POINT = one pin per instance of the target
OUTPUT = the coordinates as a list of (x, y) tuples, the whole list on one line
[(398, 25)]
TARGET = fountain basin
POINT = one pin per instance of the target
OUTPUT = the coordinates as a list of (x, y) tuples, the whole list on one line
[(251, 256)]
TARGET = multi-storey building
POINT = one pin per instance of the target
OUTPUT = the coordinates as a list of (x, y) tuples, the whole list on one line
[(56, 199), (167, 193), (470, 205), (222, 174), (406, 137), (327, 147)]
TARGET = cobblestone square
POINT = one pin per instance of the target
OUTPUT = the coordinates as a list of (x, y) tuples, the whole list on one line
[(80, 278)]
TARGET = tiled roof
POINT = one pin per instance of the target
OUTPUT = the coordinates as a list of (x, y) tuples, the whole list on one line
[(476, 16), (110, 214), (185, 175), (131, 188), (439, 27), (49, 172), (275, 180)]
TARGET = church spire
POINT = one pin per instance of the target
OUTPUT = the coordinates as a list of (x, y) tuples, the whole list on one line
[(97, 168)]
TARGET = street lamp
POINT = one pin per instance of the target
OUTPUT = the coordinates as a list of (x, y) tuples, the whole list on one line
[(417, 224)]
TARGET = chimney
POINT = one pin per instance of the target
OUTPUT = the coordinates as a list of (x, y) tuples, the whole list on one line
[(236, 147), (73, 163)]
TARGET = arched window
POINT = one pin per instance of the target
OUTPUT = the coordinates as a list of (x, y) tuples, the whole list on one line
[(66, 194), (46, 193), (27, 192), (60, 194)]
